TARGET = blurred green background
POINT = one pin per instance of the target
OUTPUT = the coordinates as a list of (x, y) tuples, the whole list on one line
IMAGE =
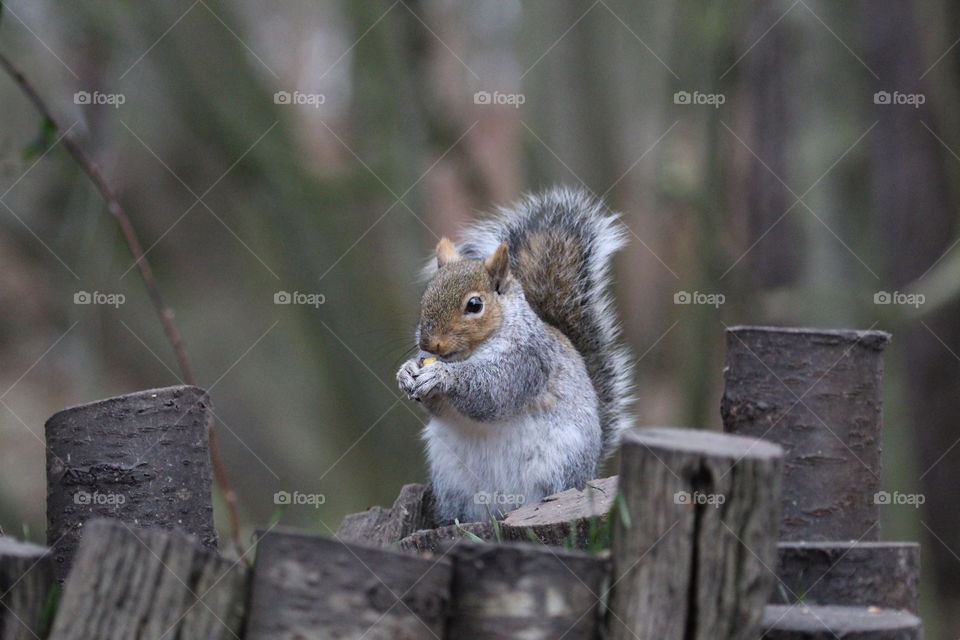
[(744, 142)]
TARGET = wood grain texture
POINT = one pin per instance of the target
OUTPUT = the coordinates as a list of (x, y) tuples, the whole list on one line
[(311, 588), (817, 394), (378, 526), (552, 519), (142, 458), (549, 520), (149, 584), (692, 562), (437, 541), (26, 580), (530, 591)]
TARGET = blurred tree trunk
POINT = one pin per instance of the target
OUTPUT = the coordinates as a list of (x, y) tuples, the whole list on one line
[(695, 340), (295, 220), (572, 86), (777, 259), (436, 84), (913, 209)]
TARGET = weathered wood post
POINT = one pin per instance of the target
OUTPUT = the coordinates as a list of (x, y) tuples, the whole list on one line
[(817, 394), (149, 584), (382, 527), (692, 562), (142, 458), (26, 580), (506, 591), (314, 588)]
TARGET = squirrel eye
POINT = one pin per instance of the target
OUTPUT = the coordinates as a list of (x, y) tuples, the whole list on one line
[(474, 305)]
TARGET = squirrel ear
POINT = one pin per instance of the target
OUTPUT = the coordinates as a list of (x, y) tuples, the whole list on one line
[(446, 252), (498, 265)]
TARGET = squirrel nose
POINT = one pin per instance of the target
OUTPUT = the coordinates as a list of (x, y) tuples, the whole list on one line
[(434, 345)]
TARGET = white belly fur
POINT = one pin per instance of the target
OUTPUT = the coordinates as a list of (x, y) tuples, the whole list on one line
[(516, 459)]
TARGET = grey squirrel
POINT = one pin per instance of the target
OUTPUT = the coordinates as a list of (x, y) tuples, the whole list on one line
[(520, 364)]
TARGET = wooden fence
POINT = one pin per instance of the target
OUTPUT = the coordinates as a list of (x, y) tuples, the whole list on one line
[(770, 530)]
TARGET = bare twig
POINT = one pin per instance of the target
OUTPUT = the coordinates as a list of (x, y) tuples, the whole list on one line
[(146, 273)]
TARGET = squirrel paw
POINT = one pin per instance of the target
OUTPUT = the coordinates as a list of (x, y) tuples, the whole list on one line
[(419, 381), (407, 376)]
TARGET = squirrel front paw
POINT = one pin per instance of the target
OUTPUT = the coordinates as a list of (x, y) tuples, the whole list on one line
[(407, 376), (419, 381)]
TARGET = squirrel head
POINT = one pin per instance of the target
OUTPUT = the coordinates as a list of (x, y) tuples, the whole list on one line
[(461, 306)]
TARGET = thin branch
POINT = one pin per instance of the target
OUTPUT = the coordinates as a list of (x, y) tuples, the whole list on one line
[(116, 210), (146, 274)]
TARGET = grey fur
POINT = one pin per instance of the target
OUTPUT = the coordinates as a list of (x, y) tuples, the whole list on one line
[(597, 230), (529, 412)]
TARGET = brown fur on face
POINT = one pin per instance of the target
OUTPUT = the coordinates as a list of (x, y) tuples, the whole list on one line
[(445, 328)]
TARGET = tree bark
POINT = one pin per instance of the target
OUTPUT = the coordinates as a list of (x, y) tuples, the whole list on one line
[(817, 394), (880, 574), (149, 584), (692, 562), (142, 458)]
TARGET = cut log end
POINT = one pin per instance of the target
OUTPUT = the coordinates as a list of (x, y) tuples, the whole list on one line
[(551, 520), (702, 442), (828, 622), (870, 339)]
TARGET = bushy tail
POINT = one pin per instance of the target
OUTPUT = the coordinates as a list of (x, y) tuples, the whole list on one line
[(561, 242)]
